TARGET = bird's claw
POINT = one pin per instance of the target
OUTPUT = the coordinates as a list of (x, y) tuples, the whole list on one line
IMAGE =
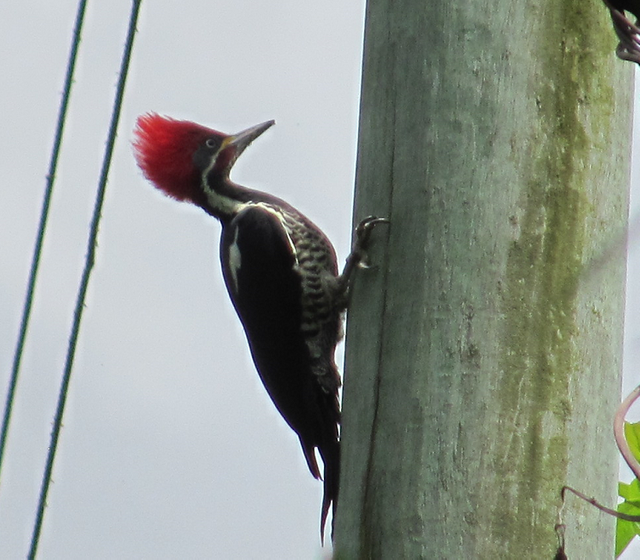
[(358, 256), (364, 229), (363, 234)]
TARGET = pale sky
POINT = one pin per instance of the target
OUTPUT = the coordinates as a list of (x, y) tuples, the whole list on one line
[(170, 447)]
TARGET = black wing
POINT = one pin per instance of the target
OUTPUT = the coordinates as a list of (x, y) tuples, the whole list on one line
[(259, 266)]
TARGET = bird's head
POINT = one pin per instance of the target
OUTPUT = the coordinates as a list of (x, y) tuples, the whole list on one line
[(182, 158)]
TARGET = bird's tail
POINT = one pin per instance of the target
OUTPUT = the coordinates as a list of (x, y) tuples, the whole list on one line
[(330, 453)]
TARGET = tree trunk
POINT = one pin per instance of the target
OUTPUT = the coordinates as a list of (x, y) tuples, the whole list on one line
[(484, 349)]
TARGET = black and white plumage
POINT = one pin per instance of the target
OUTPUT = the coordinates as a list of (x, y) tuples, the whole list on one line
[(281, 274), (280, 271)]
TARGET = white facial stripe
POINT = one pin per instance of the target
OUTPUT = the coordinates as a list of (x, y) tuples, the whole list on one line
[(224, 204)]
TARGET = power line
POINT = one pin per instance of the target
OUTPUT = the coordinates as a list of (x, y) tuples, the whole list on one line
[(44, 214), (89, 261)]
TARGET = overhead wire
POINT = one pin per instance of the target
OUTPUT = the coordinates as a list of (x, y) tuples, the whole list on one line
[(84, 282), (44, 214)]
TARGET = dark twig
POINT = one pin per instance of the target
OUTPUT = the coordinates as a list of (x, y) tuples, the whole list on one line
[(594, 502), (634, 465)]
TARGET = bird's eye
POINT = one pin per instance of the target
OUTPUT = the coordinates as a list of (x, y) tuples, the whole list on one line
[(211, 143)]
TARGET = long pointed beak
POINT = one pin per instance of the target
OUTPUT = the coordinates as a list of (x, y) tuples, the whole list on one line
[(242, 139)]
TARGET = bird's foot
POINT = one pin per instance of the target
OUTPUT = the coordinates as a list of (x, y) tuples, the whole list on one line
[(358, 256), (362, 237)]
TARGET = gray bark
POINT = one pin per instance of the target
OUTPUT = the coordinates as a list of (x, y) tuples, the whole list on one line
[(484, 350)]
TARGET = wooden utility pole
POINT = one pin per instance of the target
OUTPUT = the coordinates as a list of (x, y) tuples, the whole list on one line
[(484, 351)]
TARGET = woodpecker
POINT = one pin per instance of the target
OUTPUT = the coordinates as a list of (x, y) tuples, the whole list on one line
[(280, 271)]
